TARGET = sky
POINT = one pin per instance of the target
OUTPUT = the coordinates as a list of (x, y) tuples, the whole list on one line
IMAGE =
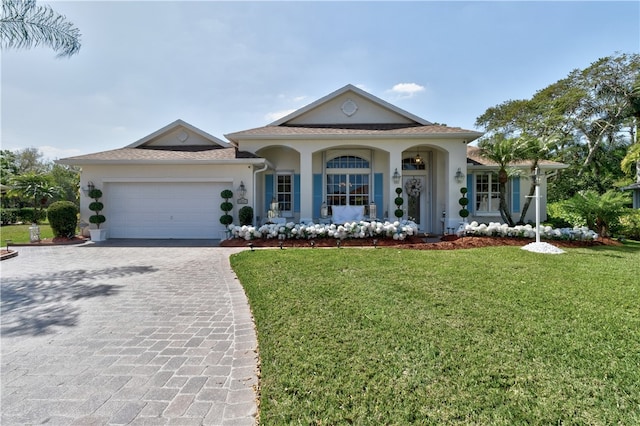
[(230, 66)]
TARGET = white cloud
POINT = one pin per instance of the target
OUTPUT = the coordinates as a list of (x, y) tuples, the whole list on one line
[(406, 90), (276, 115)]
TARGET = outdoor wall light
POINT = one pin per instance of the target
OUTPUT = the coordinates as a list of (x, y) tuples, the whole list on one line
[(396, 177), (459, 176), (242, 190), (90, 187)]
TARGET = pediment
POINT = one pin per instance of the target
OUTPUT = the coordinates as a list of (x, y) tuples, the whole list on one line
[(179, 134), (349, 106)]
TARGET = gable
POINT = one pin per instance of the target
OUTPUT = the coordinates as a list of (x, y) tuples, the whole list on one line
[(179, 134), (347, 106)]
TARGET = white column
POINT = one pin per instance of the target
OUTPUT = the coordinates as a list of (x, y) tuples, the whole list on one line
[(395, 162), (306, 184)]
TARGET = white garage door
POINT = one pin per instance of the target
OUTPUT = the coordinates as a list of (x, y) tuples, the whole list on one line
[(163, 210)]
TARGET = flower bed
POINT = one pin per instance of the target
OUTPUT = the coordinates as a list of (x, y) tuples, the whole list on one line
[(494, 229), (398, 230)]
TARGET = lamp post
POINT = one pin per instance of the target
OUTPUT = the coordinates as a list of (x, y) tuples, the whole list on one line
[(536, 181)]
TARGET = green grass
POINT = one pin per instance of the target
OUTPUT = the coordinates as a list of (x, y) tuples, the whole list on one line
[(19, 234), (485, 336)]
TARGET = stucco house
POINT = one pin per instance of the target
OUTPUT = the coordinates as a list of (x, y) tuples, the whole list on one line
[(339, 158)]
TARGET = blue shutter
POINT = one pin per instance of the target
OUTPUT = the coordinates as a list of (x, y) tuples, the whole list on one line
[(378, 188), (268, 191), (317, 194), (471, 205), (515, 194), (296, 193)]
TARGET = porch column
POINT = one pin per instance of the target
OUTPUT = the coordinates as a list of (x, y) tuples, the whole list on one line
[(395, 162), (306, 183)]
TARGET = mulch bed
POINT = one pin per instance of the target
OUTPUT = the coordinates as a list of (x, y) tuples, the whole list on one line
[(415, 243)]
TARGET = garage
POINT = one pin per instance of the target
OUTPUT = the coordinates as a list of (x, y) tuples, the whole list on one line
[(164, 209)]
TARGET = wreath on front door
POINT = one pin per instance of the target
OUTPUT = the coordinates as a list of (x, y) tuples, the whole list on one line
[(413, 187)]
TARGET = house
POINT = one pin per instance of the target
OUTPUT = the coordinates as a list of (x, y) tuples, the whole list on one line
[(635, 193), (346, 153), (482, 185)]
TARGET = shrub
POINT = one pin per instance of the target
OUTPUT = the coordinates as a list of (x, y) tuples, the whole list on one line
[(8, 216), (63, 216), (30, 215), (600, 212), (245, 215), (559, 217), (630, 224), (226, 219)]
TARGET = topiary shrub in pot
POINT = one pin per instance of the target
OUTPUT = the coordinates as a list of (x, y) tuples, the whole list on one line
[(226, 219), (97, 218), (63, 218), (464, 202), (245, 215), (399, 201)]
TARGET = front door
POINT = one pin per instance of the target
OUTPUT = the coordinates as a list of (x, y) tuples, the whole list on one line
[(417, 200)]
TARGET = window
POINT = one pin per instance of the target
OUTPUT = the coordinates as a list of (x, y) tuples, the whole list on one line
[(487, 196), (284, 193), (348, 181), (411, 164), (348, 162), (347, 189)]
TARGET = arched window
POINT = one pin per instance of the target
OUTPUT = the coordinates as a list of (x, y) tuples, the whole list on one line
[(348, 162)]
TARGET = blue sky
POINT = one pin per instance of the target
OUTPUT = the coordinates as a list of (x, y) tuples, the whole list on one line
[(231, 66)]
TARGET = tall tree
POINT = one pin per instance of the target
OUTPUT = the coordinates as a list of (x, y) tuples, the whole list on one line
[(24, 25)]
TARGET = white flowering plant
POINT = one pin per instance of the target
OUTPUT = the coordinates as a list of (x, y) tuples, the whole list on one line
[(398, 230), (495, 229)]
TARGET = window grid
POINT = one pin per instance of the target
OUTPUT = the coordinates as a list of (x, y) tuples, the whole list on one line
[(284, 193), (487, 198), (348, 162), (347, 189)]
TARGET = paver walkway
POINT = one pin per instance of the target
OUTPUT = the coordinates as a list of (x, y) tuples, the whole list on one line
[(98, 334)]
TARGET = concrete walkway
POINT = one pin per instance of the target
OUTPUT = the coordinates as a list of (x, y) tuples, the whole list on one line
[(118, 333)]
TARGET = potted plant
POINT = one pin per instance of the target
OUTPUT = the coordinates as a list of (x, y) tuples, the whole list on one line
[(97, 234)]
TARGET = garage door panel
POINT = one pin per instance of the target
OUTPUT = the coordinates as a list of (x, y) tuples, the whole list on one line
[(164, 210)]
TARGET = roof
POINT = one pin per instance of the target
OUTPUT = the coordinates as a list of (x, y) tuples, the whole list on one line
[(355, 130), (474, 158), (633, 186), (164, 154)]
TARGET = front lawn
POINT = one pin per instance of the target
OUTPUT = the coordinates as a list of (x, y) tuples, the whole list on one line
[(19, 234), (484, 336)]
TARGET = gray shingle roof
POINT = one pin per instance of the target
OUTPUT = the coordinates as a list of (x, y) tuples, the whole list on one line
[(202, 153), (353, 130), (474, 157)]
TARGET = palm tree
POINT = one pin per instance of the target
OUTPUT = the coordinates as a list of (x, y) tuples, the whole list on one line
[(535, 150), (503, 151), (24, 25), (34, 186)]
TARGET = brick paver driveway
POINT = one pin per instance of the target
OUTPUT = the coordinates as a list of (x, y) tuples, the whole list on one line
[(114, 334)]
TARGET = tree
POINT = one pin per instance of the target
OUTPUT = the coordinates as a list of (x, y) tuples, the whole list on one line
[(29, 160), (9, 166), (34, 186), (67, 178), (24, 25), (503, 151)]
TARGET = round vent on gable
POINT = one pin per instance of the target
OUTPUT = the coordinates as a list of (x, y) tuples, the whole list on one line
[(183, 136), (349, 107)]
